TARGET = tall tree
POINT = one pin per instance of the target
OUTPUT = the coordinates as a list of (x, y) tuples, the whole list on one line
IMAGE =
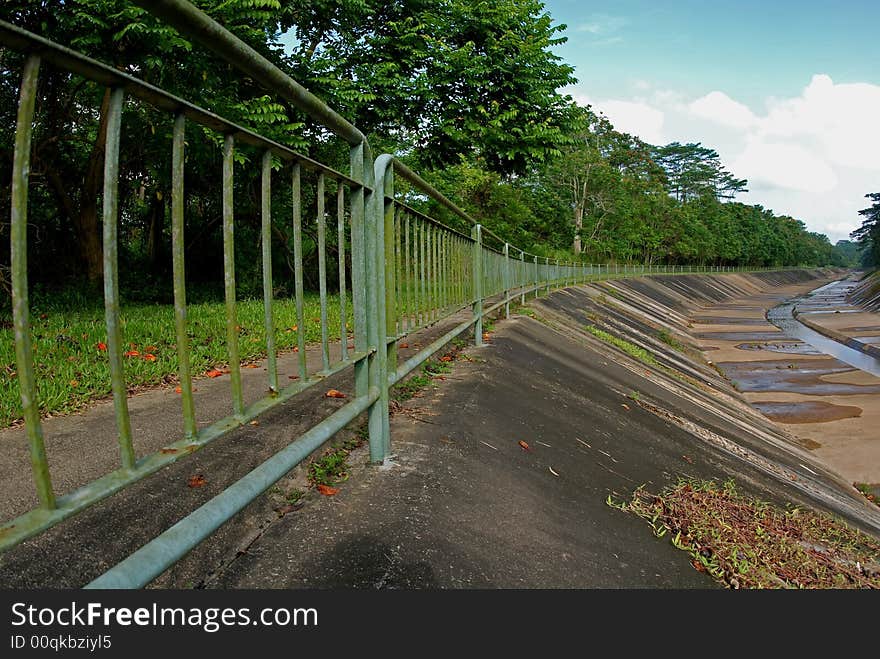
[(868, 235)]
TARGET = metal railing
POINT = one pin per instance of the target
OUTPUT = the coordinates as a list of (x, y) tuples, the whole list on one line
[(408, 271)]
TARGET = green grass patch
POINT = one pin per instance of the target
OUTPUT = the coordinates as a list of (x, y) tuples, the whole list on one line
[(332, 467), (72, 371), (629, 348), (743, 542), (671, 341)]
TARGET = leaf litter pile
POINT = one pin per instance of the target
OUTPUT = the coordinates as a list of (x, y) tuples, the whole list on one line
[(743, 542)]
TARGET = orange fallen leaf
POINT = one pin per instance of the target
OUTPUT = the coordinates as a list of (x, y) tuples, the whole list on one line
[(524, 446), (446, 358), (150, 358), (178, 390), (132, 353), (150, 349), (687, 459), (296, 348), (485, 336), (101, 346), (293, 377), (214, 373), (167, 451), (333, 393), (403, 345), (251, 366), (74, 383), (326, 490), (196, 481)]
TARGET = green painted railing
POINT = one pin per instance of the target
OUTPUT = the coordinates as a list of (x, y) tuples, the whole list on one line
[(408, 272)]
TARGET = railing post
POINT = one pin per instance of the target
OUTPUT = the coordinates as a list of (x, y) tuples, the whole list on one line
[(507, 280), (537, 290), (375, 280), (477, 235), (547, 276)]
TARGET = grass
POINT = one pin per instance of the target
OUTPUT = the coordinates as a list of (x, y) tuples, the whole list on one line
[(743, 542), (431, 369), (332, 467), (671, 341), (72, 371), (629, 348)]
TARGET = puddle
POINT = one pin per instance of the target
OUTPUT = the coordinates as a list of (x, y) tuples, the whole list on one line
[(790, 348), (741, 336), (807, 411), (794, 376)]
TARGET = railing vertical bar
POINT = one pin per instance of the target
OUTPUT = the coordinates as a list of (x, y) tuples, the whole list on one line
[(362, 171), (266, 234), (179, 273), (111, 277), (522, 277), (423, 307), (506, 280), (477, 234), (340, 238), (229, 275), (408, 263), (296, 205), (322, 270), (24, 357), (399, 279)]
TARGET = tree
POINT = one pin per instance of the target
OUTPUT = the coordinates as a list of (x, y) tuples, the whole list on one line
[(868, 235)]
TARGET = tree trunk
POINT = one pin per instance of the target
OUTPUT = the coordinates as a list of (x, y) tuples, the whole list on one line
[(88, 238), (156, 220)]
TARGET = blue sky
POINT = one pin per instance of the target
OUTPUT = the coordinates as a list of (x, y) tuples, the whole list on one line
[(788, 92)]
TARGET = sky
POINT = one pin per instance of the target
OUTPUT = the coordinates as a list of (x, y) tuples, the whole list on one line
[(787, 92)]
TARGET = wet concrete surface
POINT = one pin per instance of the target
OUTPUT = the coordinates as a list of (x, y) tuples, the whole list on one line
[(789, 348), (807, 411), (793, 376), (741, 336)]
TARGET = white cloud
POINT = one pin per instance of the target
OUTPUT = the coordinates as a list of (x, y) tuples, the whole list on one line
[(788, 166), (813, 156), (602, 24), (719, 107)]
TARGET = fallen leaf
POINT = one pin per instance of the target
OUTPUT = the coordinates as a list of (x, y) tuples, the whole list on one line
[(178, 390), (403, 345), (167, 451), (214, 373), (132, 353), (251, 366), (101, 346), (150, 349), (293, 377), (524, 446), (326, 490), (333, 393), (196, 481), (255, 422), (296, 348), (624, 406), (687, 459), (446, 358), (485, 336), (150, 358), (698, 566), (74, 383)]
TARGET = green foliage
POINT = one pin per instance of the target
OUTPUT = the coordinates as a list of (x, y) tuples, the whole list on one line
[(868, 235)]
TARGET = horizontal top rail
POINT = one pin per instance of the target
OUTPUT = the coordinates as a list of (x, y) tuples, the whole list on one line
[(193, 23), (74, 62)]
